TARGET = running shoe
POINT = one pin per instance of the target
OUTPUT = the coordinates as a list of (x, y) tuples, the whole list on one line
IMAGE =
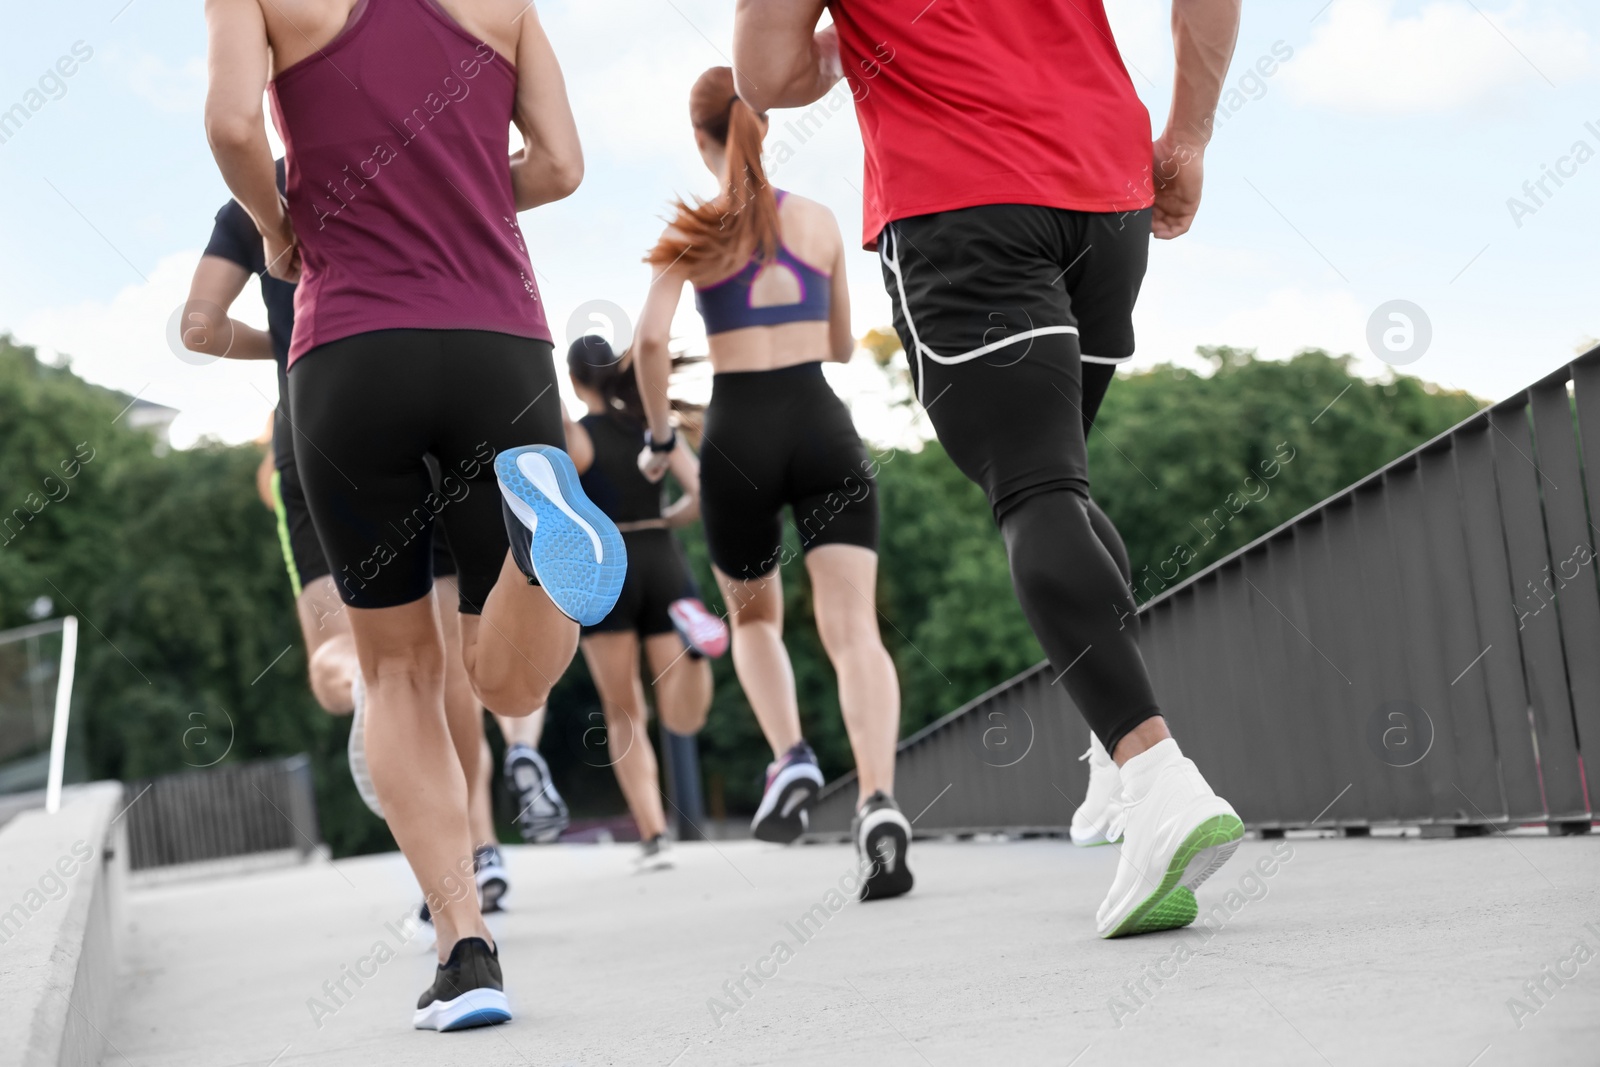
[(541, 813), (704, 633), (1179, 833), (467, 990), (1103, 804), (357, 748), (653, 855), (493, 883), (883, 839), (558, 537), (792, 784)]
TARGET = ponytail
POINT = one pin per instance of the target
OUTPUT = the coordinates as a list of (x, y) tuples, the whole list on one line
[(593, 363), (743, 220)]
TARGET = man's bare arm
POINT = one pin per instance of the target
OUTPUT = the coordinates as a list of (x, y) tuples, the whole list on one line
[(779, 58), (1203, 36), (206, 328)]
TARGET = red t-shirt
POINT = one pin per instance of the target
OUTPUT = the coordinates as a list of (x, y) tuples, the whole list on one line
[(968, 102)]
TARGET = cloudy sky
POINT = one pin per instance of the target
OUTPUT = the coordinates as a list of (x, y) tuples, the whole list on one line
[(1376, 162)]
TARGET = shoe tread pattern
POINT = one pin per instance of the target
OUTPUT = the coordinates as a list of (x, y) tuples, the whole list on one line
[(1173, 905), (562, 554)]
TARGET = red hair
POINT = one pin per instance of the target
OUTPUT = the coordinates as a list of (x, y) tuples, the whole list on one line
[(743, 220)]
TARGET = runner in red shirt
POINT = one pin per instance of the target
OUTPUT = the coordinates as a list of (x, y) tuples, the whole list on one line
[(1011, 189)]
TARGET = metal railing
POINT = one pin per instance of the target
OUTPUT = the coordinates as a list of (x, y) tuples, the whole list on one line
[(233, 810), (1422, 648)]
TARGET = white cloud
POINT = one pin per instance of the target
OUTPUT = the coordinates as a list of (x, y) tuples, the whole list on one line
[(1364, 58), (172, 87), (123, 344), (1290, 319)]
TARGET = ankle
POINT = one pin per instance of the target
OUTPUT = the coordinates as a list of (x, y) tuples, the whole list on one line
[(1141, 738)]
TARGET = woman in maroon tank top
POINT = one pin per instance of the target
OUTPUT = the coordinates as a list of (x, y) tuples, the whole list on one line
[(420, 332)]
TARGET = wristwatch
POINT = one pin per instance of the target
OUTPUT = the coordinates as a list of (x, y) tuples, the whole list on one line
[(661, 446)]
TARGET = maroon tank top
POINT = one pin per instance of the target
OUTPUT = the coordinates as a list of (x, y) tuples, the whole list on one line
[(399, 181)]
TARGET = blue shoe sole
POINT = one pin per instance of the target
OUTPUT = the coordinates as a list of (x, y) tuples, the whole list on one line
[(562, 553), (489, 1017)]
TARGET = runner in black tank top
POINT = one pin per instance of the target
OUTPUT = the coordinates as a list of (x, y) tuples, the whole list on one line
[(659, 605)]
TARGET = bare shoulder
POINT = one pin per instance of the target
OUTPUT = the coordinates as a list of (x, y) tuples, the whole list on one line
[(810, 229)]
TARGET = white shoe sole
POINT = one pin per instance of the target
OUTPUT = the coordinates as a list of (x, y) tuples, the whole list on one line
[(884, 838), (1089, 838), (476, 1007), (1197, 844), (782, 816)]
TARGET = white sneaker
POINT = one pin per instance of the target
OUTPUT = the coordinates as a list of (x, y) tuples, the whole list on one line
[(653, 855), (358, 749), (1178, 833), (1102, 806)]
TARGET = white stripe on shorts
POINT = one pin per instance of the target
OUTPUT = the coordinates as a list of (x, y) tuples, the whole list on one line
[(892, 261)]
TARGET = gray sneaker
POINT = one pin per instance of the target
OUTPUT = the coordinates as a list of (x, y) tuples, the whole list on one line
[(541, 813), (882, 838)]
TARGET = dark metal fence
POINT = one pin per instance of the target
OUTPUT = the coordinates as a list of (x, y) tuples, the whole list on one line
[(232, 810), (1422, 648)]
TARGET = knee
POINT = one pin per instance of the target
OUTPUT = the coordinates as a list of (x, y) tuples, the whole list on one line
[(684, 706), (685, 722), (514, 696), (851, 631), (333, 673), (755, 612)]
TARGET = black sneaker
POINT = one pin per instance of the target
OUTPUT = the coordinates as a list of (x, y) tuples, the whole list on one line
[(466, 990), (793, 782), (883, 837), (541, 813), (493, 884)]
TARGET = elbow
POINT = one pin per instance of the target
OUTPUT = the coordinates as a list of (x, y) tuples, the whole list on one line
[(761, 100), (650, 349), (230, 132), (200, 333), (566, 175)]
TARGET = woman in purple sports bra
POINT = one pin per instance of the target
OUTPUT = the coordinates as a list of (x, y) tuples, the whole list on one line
[(419, 332), (769, 279)]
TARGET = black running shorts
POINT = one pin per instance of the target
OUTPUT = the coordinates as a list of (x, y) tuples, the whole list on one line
[(1013, 319), (781, 438), (297, 535), (370, 409), (302, 552), (658, 574)]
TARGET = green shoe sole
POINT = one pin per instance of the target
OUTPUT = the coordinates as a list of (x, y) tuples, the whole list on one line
[(1172, 904)]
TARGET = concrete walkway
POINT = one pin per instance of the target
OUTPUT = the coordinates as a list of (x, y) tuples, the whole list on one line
[(1358, 952)]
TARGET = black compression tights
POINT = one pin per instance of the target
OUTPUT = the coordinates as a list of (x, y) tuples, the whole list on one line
[(1071, 573)]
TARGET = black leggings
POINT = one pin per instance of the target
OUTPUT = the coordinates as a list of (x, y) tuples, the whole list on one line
[(1012, 318), (775, 438), (369, 409)]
